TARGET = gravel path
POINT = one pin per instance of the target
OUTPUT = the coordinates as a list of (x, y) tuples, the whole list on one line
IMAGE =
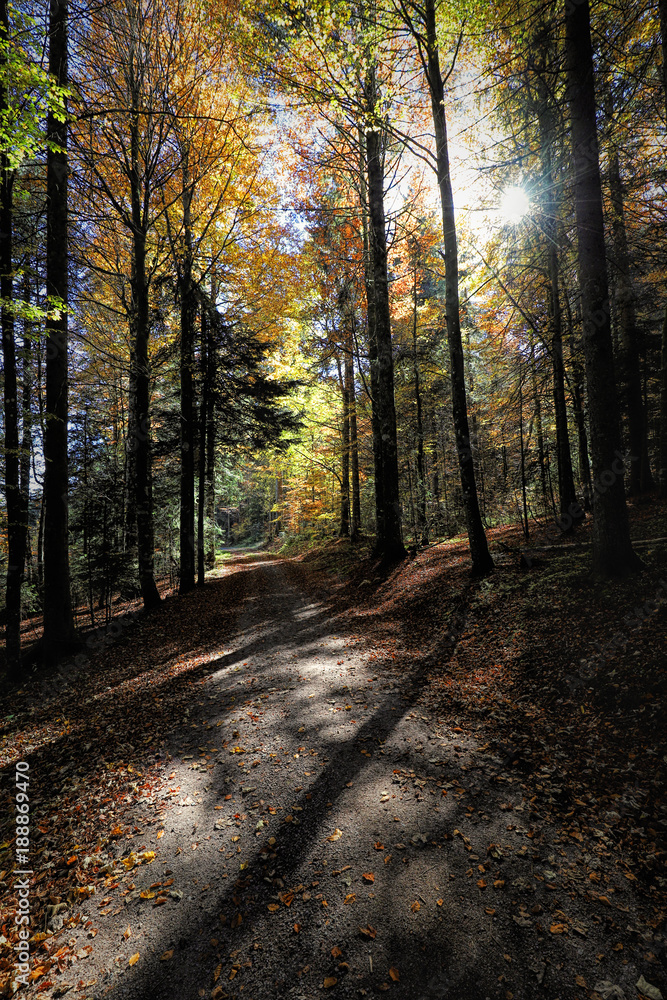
[(321, 834)]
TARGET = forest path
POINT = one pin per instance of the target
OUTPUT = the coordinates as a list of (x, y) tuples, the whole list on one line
[(314, 830)]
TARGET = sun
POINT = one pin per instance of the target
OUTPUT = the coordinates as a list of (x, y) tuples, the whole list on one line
[(514, 204)]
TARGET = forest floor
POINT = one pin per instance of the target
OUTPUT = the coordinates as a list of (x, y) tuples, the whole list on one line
[(312, 777)]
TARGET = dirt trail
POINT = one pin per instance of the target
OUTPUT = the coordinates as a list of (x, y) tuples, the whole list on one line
[(337, 805)]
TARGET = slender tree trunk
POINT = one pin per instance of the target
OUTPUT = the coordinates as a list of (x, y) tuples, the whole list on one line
[(344, 529), (625, 301), (662, 457), (422, 528), (372, 349), (662, 460), (540, 431), (482, 562), (355, 520), (392, 543), (526, 530), (612, 549), (201, 471), (15, 539), (187, 514), (59, 633), (141, 401), (26, 432), (210, 443)]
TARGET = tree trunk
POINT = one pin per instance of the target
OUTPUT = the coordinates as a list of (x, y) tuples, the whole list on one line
[(15, 533), (422, 528), (625, 301), (344, 529), (355, 519), (612, 549), (392, 547), (662, 458), (187, 478), (26, 431), (59, 633), (141, 402), (482, 562), (201, 471)]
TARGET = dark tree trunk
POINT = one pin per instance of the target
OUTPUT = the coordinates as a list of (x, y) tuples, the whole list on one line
[(59, 634), (201, 471), (140, 402), (391, 546), (422, 528), (188, 311), (344, 528), (15, 529), (662, 456), (612, 550), (626, 313), (566, 491), (355, 512), (482, 562), (662, 460)]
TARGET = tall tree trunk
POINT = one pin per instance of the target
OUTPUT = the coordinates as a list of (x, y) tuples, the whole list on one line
[(59, 634), (482, 562), (662, 460), (201, 471), (372, 345), (422, 528), (143, 498), (662, 454), (26, 431), (625, 301), (355, 511), (392, 547), (15, 539), (540, 430), (344, 528), (566, 491), (612, 549), (187, 514)]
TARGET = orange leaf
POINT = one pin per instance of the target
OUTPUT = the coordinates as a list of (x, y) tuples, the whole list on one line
[(273, 907), (297, 928), (336, 952), (378, 846), (439, 902), (394, 973), (415, 906), (329, 981), (167, 955), (336, 835), (481, 883), (368, 931), (350, 898), (558, 928), (160, 834), (368, 876)]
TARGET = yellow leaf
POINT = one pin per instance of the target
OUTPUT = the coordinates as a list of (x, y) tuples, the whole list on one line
[(558, 928), (134, 959), (160, 834), (394, 973), (439, 902), (329, 981), (273, 907), (147, 895), (350, 898), (167, 955), (127, 933), (216, 974), (234, 839), (336, 835)]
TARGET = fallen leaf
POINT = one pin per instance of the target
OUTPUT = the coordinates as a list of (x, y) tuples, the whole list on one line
[(558, 928), (134, 959), (127, 933), (350, 898), (273, 907), (336, 952), (368, 876), (160, 834), (368, 931), (415, 906), (336, 835), (329, 981), (394, 973)]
